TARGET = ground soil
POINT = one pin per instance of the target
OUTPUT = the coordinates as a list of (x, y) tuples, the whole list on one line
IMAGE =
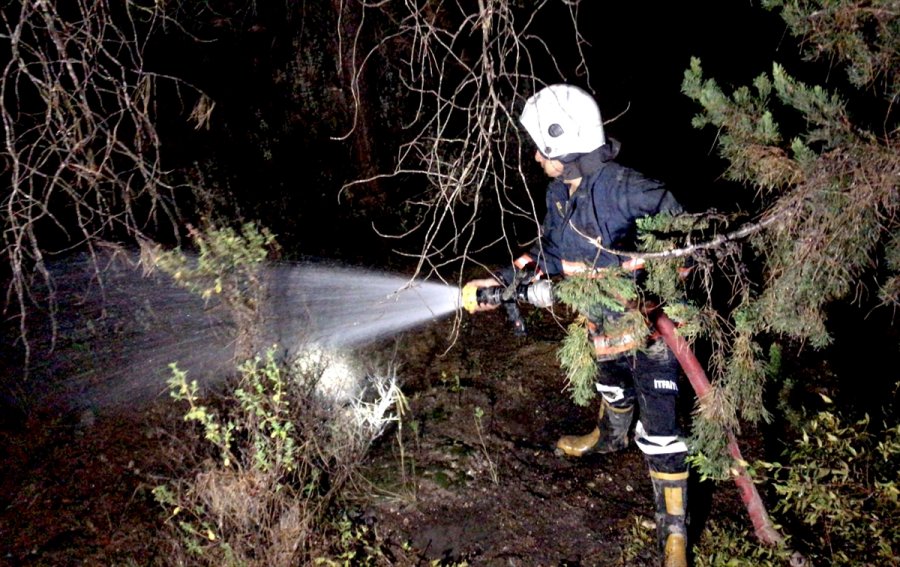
[(470, 476)]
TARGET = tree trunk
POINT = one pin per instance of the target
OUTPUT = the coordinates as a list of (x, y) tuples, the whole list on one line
[(349, 28)]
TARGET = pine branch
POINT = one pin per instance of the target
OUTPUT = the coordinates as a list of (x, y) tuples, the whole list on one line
[(717, 242)]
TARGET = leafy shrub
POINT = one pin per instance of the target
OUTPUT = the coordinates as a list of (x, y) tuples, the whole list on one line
[(268, 460), (725, 544), (282, 457), (842, 482), (838, 491), (227, 268)]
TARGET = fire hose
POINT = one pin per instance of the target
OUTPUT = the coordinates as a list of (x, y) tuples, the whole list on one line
[(762, 525), (540, 294)]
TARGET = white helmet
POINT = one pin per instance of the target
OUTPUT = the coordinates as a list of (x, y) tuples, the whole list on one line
[(563, 120)]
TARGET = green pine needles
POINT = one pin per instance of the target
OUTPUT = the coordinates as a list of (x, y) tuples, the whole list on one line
[(584, 294), (616, 300), (823, 229)]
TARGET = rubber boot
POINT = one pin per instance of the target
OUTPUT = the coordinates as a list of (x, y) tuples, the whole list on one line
[(611, 433), (670, 491)]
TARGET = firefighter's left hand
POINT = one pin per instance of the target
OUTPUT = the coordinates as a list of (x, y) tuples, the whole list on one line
[(480, 283)]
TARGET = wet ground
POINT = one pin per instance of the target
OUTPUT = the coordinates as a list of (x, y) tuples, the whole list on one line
[(489, 490), (470, 475)]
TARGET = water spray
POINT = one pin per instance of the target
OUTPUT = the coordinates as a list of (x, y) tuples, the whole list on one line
[(110, 345), (114, 342)]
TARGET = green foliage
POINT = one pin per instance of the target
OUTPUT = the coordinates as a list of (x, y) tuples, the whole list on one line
[(788, 410), (864, 34), (745, 377), (749, 135), (825, 113), (832, 200), (841, 482), (890, 291), (266, 406), (214, 431), (640, 546), (709, 451), (660, 235), (226, 264), (739, 393), (226, 269), (282, 456), (652, 228), (356, 545), (576, 356), (827, 196), (259, 450), (479, 427), (688, 318), (585, 293), (612, 298), (590, 295), (725, 544)]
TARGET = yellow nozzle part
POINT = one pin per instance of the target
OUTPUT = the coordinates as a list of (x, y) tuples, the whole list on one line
[(470, 298)]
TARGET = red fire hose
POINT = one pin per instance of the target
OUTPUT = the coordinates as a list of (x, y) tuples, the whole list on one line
[(762, 525)]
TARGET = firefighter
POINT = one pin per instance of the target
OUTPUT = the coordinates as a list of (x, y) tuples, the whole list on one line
[(591, 199)]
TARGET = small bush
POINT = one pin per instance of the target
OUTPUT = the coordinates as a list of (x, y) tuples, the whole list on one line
[(842, 482), (725, 544), (227, 269), (276, 450), (839, 494), (283, 456)]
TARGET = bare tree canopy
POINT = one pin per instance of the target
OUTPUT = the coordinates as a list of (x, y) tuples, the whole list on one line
[(80, 144)]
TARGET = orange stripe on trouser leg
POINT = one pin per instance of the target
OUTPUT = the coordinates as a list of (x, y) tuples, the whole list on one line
[(610, 345)]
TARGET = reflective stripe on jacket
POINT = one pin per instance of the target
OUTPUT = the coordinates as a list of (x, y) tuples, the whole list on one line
[(575, 268), (606, 346)]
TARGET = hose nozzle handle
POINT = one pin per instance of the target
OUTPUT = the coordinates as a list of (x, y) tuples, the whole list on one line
[(539, 293), (473, 296), (469, 299)]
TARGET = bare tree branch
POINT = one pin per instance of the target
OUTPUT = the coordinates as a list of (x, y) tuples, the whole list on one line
[(465, 67), (80, 146)]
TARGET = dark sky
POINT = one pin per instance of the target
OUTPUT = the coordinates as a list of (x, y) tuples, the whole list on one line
[(639, 55)]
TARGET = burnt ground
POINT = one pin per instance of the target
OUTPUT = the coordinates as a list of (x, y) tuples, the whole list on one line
[(470, 476)]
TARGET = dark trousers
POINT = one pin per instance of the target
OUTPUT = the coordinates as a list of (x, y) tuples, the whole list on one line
[(650, 377)]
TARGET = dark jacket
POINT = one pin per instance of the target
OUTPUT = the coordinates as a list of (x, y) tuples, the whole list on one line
[(606, 205)]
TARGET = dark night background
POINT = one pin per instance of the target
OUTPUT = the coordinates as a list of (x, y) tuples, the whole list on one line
[(271, 140)]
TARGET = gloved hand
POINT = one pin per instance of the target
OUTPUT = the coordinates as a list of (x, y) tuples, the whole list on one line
[(477, 284), (511, 276), (528, 273), (469, 303)]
